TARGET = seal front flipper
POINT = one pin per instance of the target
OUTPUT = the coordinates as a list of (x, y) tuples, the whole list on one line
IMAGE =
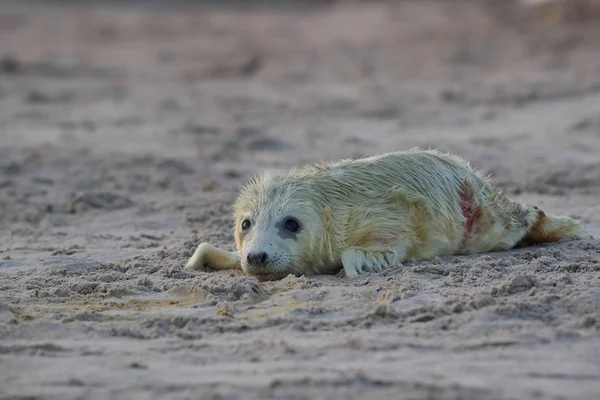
[(357, 261), (209, 256)]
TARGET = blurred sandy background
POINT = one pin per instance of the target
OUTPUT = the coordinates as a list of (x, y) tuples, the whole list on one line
[(126, 129)]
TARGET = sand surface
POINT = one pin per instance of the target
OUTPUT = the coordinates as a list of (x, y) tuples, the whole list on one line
[(126, 131)]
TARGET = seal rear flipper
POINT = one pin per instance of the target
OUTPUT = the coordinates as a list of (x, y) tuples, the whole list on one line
[(209, 256), (551, 228)]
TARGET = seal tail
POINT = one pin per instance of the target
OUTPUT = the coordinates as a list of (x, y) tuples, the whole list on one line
[(549, 228)]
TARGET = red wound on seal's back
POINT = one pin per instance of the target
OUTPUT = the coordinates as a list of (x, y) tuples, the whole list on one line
[(473, 214)]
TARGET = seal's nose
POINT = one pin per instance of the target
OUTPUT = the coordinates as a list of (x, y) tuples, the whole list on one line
[(258, 259)]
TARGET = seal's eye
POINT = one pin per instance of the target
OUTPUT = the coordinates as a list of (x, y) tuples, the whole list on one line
[(246, 225), (291, 225)]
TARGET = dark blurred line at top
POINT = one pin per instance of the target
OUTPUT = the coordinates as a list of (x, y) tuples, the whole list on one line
[(239, 5)]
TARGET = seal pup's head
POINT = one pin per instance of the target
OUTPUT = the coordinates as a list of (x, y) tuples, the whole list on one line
[(280, 227)]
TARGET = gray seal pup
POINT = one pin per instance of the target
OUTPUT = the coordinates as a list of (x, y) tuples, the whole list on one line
[(373, 213)]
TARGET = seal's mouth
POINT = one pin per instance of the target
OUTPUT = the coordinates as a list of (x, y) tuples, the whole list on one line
[(270, 276), (265, 275)]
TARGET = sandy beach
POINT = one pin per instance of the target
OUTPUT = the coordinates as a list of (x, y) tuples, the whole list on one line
[(127, 129)]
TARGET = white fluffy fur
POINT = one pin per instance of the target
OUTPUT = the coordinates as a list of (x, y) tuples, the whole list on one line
[(373, 213)]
